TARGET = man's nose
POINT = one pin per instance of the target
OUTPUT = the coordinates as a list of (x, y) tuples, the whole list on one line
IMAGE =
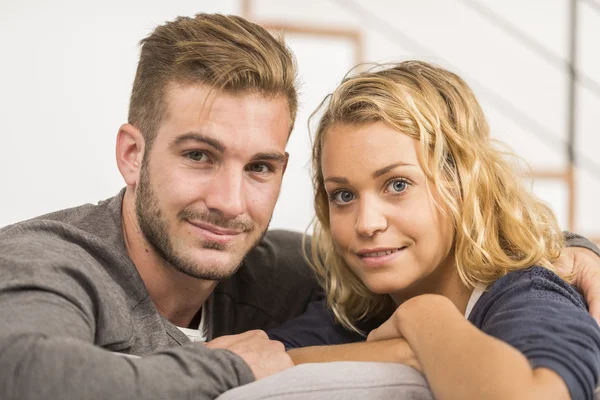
[(227, 193)]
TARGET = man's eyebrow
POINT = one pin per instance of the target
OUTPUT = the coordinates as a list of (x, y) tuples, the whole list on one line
[(390, 167), (198, 137), (277, 157)]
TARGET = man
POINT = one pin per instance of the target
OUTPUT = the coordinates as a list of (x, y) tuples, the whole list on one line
[(181, 254)]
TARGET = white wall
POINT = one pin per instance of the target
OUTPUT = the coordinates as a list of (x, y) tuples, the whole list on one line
[(66, 71), (67, 68)]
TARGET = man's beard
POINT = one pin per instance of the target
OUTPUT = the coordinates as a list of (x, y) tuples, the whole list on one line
[(155, 229)]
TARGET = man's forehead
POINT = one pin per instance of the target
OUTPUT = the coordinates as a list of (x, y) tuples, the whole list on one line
[(205, 100), (227, 116)]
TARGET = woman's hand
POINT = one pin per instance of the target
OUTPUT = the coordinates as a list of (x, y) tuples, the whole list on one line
[(420, 305), (389, 331)]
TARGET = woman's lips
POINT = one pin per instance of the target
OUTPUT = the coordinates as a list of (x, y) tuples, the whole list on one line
[(378, 257)]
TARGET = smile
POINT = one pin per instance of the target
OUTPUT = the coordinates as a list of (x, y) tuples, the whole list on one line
[(214, 233), (378, 253), (373, 258)]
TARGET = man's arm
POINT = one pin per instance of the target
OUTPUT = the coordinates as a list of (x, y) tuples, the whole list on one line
[(38, 360), (51, 312), (575, 240)]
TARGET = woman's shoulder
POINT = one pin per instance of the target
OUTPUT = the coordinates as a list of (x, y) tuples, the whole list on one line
[(535, 288), (546, 319), (537, 283)]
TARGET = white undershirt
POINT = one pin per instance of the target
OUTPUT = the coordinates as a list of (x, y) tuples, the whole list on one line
[(196, 335), (475, 295)]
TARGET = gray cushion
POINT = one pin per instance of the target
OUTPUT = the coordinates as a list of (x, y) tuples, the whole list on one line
[(338, 380)]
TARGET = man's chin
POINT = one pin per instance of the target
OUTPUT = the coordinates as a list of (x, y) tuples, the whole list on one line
[(211, 264), (215, 261)]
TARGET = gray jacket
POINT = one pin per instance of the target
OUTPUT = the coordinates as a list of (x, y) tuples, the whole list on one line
[(70, 299)]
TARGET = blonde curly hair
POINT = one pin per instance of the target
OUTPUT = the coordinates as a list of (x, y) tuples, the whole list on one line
[(500, 225)]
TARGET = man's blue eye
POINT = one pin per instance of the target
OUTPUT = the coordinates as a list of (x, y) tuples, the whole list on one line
[(259, 168), (197, 155)]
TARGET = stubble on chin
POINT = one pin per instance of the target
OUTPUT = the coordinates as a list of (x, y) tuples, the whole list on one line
[(155, 228), (215, 270)]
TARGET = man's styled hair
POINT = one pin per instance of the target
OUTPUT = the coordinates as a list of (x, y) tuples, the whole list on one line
[(224, 52), (500, 225)]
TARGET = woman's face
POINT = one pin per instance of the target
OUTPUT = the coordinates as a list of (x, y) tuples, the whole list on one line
[(382, 215)]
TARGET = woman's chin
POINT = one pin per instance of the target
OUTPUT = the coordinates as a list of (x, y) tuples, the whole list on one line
[(385, 286)]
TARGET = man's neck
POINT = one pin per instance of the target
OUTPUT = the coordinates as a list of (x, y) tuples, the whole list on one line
[(178, 297)]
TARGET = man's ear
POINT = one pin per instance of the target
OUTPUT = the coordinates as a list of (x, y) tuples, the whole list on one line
[(130, 152)]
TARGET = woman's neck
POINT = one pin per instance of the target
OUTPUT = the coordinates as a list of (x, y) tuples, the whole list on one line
[(444, 281)]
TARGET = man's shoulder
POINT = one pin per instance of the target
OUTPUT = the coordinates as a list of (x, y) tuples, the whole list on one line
[(73, 239), (273, 284), (279, 255), (70, 225)]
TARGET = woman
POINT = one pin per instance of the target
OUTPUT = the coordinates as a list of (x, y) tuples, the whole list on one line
[(421, 218)]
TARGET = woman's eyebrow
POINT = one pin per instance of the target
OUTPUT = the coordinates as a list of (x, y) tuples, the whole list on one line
[(337, 179), (390, 167)]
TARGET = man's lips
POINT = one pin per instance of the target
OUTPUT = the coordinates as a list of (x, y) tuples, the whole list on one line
[(217, 230), (215, 233)]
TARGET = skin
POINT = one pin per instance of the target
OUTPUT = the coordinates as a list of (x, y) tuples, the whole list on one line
[(387, 225), (200, 199), (380, 200)]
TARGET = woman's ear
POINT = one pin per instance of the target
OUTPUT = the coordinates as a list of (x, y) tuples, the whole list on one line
[(130, 152)]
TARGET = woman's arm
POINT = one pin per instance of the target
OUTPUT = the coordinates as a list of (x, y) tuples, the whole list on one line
[(462, 362), (391, 350)]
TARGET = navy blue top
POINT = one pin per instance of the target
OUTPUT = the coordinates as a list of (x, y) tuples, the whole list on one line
[(547, 320), (315, 327), (533, 310)]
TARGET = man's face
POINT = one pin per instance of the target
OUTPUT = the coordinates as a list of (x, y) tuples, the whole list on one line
[(209, 184)]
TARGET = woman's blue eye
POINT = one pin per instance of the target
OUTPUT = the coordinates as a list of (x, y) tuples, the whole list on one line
[(196, 155), (397, 186), (343, 196)]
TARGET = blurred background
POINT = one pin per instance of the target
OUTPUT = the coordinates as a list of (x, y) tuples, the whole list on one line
[(67, 66)]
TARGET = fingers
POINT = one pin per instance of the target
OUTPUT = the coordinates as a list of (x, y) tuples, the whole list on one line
[(264, 356), (381, 333), (593, 299), (588, 281), (387, 330), (225, 342), (586, 274), (257, 341)]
